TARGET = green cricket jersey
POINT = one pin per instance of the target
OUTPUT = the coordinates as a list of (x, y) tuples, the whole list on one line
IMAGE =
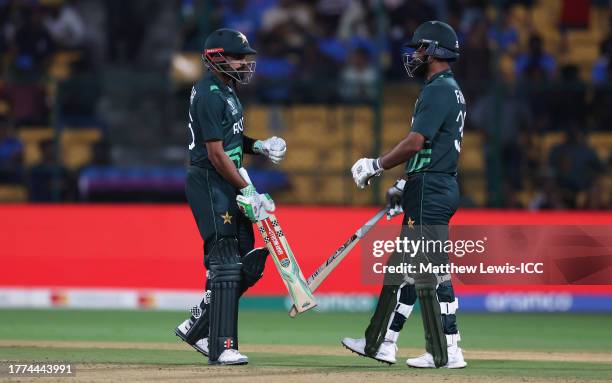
[(215, 114), (439, 115)]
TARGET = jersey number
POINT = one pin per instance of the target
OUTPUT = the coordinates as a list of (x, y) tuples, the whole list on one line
[(192, 145), (461, 120)]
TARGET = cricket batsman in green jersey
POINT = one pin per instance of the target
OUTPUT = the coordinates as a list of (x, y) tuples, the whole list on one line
[(428, 197), (217, 144)]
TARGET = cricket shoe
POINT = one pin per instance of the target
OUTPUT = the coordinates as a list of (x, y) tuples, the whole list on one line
[(201, 345), (455, 356), (386, 351), (455, 353), (230, 357), (425, 360)]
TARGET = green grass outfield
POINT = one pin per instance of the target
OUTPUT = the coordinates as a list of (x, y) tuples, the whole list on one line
[(565, 333)]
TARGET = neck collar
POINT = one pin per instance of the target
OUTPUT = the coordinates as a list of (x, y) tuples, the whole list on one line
[(442, 74)]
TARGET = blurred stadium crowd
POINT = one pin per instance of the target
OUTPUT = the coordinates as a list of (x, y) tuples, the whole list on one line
[(93, 96)]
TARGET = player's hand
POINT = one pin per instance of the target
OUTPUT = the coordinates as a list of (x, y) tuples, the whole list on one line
[(254, 205), (394, 199), (274, 148), (364, 169)]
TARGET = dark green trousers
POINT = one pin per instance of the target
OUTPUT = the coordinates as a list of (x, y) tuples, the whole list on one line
[(213, 203), (430, 199), (429, 202)]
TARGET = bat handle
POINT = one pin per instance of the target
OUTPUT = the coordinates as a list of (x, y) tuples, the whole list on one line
[(245, 175), (293, 312)]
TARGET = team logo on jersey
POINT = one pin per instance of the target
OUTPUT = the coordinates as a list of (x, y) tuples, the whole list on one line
[(233, 106)]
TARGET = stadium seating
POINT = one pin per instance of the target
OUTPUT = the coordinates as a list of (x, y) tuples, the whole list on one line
[(13, 193), (325, 141), (256, 121), (581, 47), (60, 67), (75, 143), (5, 107), (31, 138), (602, 143), (472, 154)]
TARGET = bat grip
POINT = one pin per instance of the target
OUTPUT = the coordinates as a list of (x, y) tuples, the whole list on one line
[(245, 175)]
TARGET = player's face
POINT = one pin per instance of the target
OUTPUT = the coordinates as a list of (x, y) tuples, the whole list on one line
[(419, 53), (414, 60), (236, 62), (243, 66)]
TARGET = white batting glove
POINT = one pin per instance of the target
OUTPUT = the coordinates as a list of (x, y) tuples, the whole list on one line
[(254, 205), (364, 169), (394, 199), (274, 148)]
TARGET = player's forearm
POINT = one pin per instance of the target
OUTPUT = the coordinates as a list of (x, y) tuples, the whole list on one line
[(402, 152), (224, 166)]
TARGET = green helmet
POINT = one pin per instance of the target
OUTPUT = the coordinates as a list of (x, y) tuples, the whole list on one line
[(437, 38), (229, 42)]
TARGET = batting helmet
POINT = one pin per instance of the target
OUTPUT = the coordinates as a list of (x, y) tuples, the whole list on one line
[(224, 43), (438, 39)]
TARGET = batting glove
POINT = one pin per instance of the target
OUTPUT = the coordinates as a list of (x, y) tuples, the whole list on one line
[(274, 148), (254, 205), (394, 199), (364, 169)]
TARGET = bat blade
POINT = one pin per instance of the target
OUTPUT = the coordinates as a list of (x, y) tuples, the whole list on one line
[(286, 264), (320, 274)]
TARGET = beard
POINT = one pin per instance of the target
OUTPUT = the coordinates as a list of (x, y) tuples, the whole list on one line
[(420, 72)]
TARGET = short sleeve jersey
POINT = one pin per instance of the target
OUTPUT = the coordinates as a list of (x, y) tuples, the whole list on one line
[(215, 114), (439, 115)]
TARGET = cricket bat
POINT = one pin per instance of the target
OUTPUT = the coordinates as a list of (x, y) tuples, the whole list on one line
[(320, 274), (288, 268)]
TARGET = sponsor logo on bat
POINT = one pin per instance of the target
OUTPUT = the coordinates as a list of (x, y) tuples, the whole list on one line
[(281, 254)]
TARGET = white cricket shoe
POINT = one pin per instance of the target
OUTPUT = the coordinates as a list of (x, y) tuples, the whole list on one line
[(386, 351), (200, 346), (455, 356), (230, 357), (425, 360), (455, 353)]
